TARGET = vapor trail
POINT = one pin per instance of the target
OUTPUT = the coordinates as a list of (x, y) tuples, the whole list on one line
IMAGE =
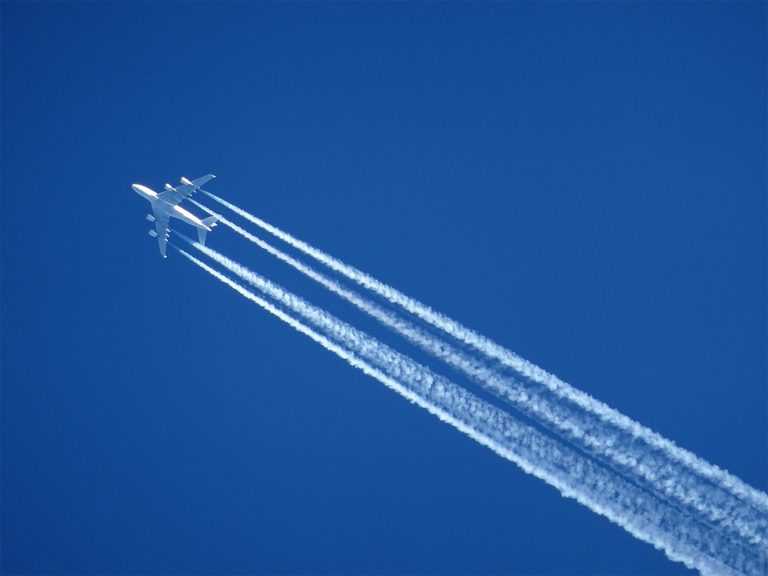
[(680, 535), (625, 426), (645, 464)]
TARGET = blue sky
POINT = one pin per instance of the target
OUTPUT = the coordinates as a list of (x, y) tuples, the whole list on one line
[(583, 183)]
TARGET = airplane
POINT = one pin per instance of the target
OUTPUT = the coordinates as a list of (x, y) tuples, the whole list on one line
[(165, 206)]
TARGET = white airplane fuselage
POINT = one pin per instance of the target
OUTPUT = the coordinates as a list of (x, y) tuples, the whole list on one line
[(159, 206)]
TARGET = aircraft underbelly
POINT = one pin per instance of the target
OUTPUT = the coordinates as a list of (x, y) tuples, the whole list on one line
[(181, 214)]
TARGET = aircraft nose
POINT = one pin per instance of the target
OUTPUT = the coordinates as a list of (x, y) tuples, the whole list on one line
[(141, 190)]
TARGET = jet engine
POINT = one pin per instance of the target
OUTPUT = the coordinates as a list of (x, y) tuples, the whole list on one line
[(150, 218), (152, 233), (169, 188)]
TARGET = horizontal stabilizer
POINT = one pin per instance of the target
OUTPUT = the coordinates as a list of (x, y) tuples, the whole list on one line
[(209, 222)]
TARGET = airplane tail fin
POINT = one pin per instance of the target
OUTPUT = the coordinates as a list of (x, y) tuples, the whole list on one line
[(209, 222)]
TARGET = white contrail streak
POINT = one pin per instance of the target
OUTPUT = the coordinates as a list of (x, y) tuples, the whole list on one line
[(667, 477), (680, 535), (625, 426)]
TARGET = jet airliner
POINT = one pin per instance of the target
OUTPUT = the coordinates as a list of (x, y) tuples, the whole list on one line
[(165, 205)]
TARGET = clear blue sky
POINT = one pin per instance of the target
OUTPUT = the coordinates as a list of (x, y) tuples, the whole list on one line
[(584, 183)]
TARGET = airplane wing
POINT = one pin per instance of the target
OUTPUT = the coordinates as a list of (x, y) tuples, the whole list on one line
[(161, 227), (185, 189), (198, 182)]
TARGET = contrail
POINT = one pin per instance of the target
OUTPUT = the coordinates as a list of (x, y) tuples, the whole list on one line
[(680, 535), (667, 477), (625, 426)]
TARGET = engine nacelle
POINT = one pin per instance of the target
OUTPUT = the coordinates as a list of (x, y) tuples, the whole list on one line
[(185, 181), (152, 233), (150, 218), (169, 188)]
